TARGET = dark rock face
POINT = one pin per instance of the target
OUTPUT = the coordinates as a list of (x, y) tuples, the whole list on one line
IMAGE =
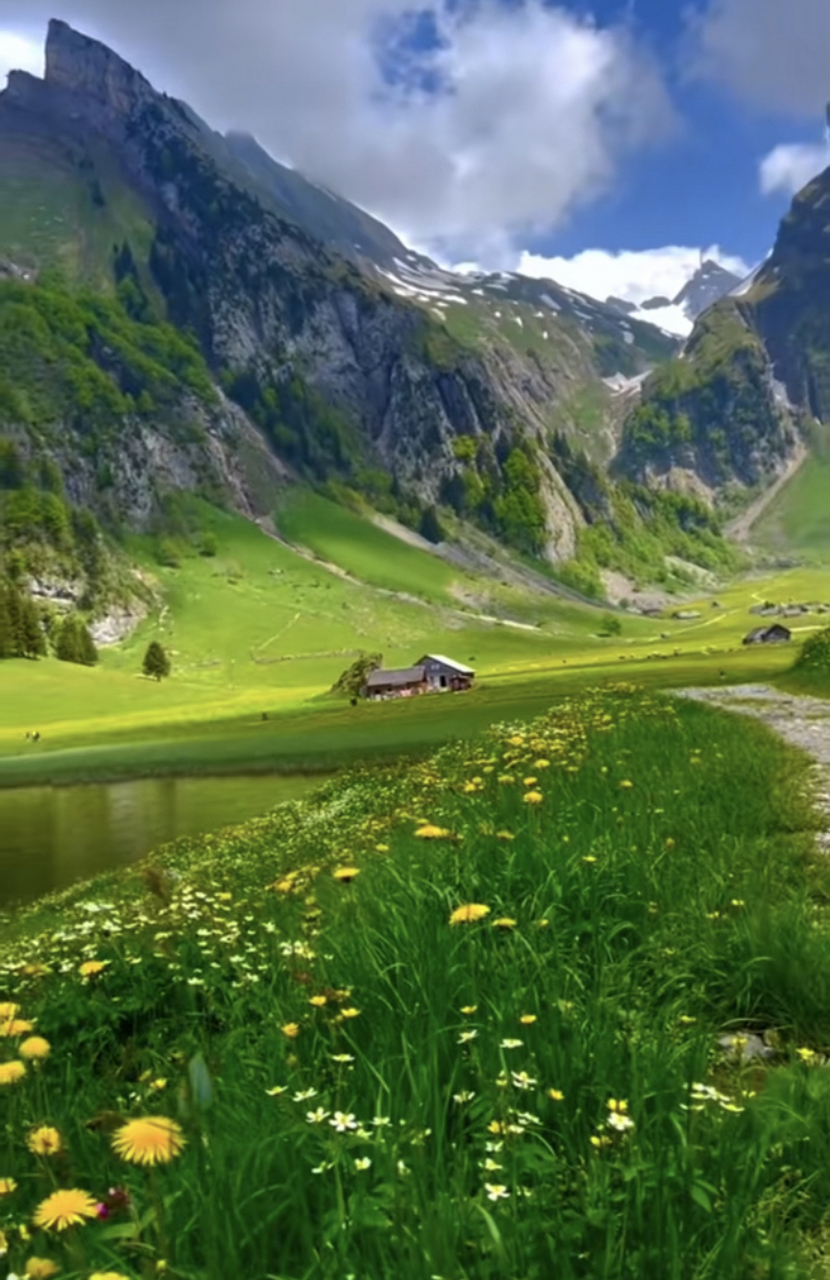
[(708, 285)]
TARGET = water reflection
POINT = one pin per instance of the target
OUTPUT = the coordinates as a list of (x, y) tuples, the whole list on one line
[(51, 837)]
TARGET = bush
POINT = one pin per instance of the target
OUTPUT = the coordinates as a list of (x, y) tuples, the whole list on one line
[(75, 644), (156, 662), (815, 652)]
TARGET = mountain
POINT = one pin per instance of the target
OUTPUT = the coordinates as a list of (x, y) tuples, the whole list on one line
[(734, 410), (179, 312), (709, 283)]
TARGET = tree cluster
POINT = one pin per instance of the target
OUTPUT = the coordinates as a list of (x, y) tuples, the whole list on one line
[(21, 633), (74, 642)]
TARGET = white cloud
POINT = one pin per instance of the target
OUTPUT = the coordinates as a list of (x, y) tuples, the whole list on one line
[(775, 53), (635, 275), (17, 53), (535, 107), (791, 166)]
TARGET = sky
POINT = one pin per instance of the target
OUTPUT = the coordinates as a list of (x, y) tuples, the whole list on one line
[(602, 143)]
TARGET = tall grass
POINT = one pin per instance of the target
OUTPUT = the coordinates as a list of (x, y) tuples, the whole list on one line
[(369, 1090)]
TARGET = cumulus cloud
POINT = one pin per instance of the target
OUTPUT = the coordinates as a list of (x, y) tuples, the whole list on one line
[(774, 53), (17, 53), (791, 166), (635, 275), (500, 127)]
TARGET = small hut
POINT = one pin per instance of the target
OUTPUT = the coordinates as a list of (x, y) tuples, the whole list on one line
[(776, 634), (444, 673), (403, 683)]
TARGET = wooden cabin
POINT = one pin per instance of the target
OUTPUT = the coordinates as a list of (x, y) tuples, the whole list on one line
[(776, 634), (434, 673), (443, 673)]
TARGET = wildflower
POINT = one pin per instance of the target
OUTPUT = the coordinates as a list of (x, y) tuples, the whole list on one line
[(349, 1013), (528, 782), (380, 1122), (619, 1121), (505, 835), (600, 1140), (341, 1121), (346, 874), (589, 857), (108, 1275), (504, 922), (808, 1056), (533, 797), (305, 1095), (541, 764), (291, 1030), (15, 1027), (466, 1037), (464, 1096), (517, 740), (342, 1057), (522, 1080), (556, 1095), (64, 1209), (528, 1019), (495, 1191), (44, 1141), (35, 1047), (318, 1001), (381, 848), (277, 1090), (506, 778), (158, 1085), (324, 1167), (149, 1140), (40, 1268), (470, 912), (363, 1162), (626, 784), (491, 1166), (512, 1044), (686, 1020), (318, 1116), (543, 923), (283, 886), (12, 1072), (469, 1009), (7, 1186), (429, 831)]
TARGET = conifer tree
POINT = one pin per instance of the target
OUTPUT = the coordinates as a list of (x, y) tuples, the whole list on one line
[(156, 662)]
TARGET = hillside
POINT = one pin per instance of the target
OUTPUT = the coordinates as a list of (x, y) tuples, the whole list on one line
[(495, 400), (753, 382)]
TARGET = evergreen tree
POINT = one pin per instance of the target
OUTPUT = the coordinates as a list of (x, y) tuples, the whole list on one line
[(156, 662), (75, 644), (88, 651), (32, 639)]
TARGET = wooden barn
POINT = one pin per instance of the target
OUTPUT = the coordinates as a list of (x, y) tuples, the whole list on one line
[(776, 634), (434, 673)]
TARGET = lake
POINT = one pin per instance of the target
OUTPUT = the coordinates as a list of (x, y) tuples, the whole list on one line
[(51, 837)]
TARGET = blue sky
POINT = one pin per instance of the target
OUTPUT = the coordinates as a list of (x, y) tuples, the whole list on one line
[(604, 143)]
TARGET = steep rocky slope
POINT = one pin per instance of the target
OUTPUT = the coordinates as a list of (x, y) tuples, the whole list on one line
[(732, 411), (412, 386)]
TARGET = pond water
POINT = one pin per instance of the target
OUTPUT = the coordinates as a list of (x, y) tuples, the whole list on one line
[(51, 837)]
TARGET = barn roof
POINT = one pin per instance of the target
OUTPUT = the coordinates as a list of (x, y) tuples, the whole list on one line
[(761, 633), (380, 679), (449, 662)]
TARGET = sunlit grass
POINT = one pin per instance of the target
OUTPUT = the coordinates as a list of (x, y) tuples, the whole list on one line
[(366, 1088)]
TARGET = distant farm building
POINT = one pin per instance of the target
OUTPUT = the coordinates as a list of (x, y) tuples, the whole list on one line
[(775, 634), (433, 673)]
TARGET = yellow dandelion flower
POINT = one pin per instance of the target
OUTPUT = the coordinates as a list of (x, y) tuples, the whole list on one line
[(108, 1275), (626, 783), (35, 970), (506, 778), (35, 1047), (429, 831), (318, 1001), (517, 740), (381, 848), (64, 1209), (469, 913), (469, 1009), (505, 835), (158, 1085), (90, 968), (40, 1269), (543, 923), (528, 1019), (8, 1010), (291, 1030), (556, 1095), (529, 782), (283, 886), (12, 1072), (149, 1140), (349, 1013), (16, 1027), (504, 922), (7, 1186), (533, 797), (44, 1141), (346, 874)]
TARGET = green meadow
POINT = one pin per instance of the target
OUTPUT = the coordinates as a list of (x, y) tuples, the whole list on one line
[(259, 630), (552, 1002)]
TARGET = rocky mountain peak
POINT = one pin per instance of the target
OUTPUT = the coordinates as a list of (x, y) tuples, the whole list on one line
[(77, 63), (709, 283)]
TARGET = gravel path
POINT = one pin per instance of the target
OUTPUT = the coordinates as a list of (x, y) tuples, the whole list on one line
[(804, 722)]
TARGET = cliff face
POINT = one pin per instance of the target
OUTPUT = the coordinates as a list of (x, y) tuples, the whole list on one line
[(755, 372)]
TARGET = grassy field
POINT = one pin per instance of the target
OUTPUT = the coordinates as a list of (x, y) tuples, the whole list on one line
[(460, 1018), (261, 630), (798, 520)]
